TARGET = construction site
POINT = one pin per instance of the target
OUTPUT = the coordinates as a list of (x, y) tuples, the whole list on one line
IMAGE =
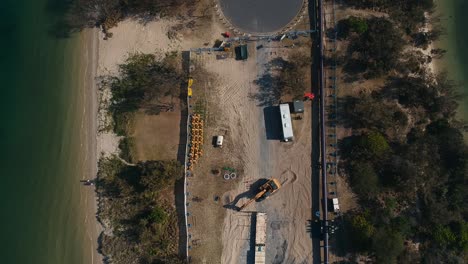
[(246, 128), (251, 190), (224, 185)]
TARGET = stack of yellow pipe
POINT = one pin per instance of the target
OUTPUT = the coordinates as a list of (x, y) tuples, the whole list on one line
[(196, 140)]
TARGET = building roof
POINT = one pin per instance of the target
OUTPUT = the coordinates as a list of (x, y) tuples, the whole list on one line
[(298, 106), (286, 123)]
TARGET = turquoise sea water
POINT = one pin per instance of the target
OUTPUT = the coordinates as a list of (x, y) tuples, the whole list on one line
[(455, 21), (40, 158)]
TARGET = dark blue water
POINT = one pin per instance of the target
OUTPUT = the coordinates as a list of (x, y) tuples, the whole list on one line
[(39, 138), (260, 16)]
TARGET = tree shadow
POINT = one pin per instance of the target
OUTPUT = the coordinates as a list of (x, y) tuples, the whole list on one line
[(181, 154), (254, 188), (340, 239), (105, 259), (345, 106), (180, 212), (269, 91)]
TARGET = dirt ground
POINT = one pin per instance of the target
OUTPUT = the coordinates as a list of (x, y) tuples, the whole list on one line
[(156, 137), (234, 109), (237, 104)]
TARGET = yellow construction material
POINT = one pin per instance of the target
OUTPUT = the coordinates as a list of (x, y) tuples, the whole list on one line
[(190, 82), (196, 140)]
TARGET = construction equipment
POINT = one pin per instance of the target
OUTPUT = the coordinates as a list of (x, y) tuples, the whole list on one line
[(265, 191)]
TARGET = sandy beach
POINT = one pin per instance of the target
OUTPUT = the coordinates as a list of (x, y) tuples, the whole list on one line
[(90, 42)]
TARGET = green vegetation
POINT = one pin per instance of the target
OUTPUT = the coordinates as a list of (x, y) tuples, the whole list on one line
[(407, 160), (108, 13), (126, 146), (142, 82), (409, 14), (141, 220), (351, 25), (376, 51), (136, 201)]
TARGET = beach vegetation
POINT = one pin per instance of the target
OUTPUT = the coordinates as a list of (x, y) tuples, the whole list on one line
[(106, 14), (141, 220), (375, 52), (409, 14), (142, 81), (406, 159), (351, 25), (127, 146)]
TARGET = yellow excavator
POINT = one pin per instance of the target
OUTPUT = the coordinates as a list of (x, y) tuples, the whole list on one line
[(265, 191)]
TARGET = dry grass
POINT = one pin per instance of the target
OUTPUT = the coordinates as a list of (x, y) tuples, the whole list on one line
[(156, 137)]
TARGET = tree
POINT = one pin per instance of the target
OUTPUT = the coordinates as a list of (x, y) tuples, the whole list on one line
[(435, 94), (378, 47), (158, 215), (372, 113), (364, 180), (461, 229), (444, 236), (156, 175), (387, 246), (351, 24), (81, 14), (142, 82), (360, 231), (376, 143)]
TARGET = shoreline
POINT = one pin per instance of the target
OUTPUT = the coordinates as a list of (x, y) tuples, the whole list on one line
[(90, 50), (451, 61)]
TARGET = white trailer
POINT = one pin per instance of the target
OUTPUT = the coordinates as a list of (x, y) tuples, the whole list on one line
[(260, 238), (336, 205), (286, 123)]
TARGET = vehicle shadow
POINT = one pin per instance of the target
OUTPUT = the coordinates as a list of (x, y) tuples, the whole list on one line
[(271, 116)]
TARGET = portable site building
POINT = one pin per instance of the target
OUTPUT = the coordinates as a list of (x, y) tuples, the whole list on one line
[(241, 52), (298, 106), (286, 123)]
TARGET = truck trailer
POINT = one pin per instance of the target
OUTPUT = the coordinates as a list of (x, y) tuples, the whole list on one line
[(260, 238), (286, 123)]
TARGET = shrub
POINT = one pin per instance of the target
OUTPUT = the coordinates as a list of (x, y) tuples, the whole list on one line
[(158, 215)]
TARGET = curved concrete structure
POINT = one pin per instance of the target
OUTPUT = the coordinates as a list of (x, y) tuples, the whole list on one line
[(260, 16)]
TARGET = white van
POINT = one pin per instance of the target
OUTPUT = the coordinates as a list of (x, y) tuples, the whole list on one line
[(219, 141)]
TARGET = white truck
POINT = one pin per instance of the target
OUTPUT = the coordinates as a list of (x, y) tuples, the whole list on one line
[(260, 238)]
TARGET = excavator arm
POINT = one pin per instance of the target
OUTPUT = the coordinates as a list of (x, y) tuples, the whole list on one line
[(260, 194)]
